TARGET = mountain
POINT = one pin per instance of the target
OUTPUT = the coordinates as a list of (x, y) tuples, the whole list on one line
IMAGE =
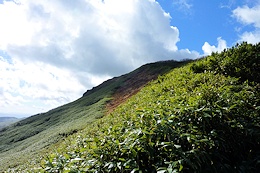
[(193, 116), (31, 136), (201, 117), (5, 121)]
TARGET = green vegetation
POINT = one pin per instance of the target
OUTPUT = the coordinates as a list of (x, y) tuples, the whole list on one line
[(242, 61), (203, 117), (26, 140)]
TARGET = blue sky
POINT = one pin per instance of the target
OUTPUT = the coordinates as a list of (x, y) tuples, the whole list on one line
[(52, 51), (201, 21)]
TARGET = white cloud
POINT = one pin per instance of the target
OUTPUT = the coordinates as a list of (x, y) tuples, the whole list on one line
[(183, 4), (91, 34), (227, 4), (208, 49), (71, 44), (251, 37), (249, 16)]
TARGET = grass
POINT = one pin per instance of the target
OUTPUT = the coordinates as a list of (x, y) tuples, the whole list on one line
[(28, 137)]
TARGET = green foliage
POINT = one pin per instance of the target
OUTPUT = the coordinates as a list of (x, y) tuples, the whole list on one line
[(203, 117), (242, 61)]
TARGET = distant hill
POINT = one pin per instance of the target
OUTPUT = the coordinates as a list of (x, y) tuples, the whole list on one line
[(6, 121)]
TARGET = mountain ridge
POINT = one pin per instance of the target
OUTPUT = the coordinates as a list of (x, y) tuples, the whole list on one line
[(142, 76)]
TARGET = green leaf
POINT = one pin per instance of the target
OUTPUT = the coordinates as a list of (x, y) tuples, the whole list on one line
[(181, 167)]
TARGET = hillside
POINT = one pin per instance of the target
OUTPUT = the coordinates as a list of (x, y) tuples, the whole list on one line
[(202, 117), (34, 135)]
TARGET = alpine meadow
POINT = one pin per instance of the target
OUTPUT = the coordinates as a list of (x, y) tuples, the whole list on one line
[(187, 116)]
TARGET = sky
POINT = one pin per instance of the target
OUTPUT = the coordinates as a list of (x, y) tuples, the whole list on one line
[(52, 51)]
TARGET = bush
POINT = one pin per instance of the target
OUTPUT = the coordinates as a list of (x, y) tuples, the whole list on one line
[(241, 61)]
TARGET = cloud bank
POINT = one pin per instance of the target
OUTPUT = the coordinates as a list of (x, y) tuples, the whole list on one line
[(52, 51)]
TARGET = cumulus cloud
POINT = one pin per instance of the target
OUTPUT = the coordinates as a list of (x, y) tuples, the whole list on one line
[(208, 49), (61, 47), (249, 16), (92, 36)]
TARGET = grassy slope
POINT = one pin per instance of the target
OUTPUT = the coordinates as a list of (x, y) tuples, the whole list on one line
[(29, 136), (36, 134), (197, 118)]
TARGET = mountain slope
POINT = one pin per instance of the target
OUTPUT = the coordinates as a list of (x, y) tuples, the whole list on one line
[(35, 134), (203, 117)]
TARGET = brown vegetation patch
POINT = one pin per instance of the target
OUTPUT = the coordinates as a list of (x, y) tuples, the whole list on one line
[(137, 79), (128, 89)]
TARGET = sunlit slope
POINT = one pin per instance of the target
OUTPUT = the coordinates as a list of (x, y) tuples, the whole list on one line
[(25, 139), (203, 117)]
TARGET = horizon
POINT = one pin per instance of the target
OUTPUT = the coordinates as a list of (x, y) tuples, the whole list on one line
[(51, 52), (14, 116)]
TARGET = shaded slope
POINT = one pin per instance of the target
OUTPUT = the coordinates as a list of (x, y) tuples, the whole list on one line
[(32, 135)]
